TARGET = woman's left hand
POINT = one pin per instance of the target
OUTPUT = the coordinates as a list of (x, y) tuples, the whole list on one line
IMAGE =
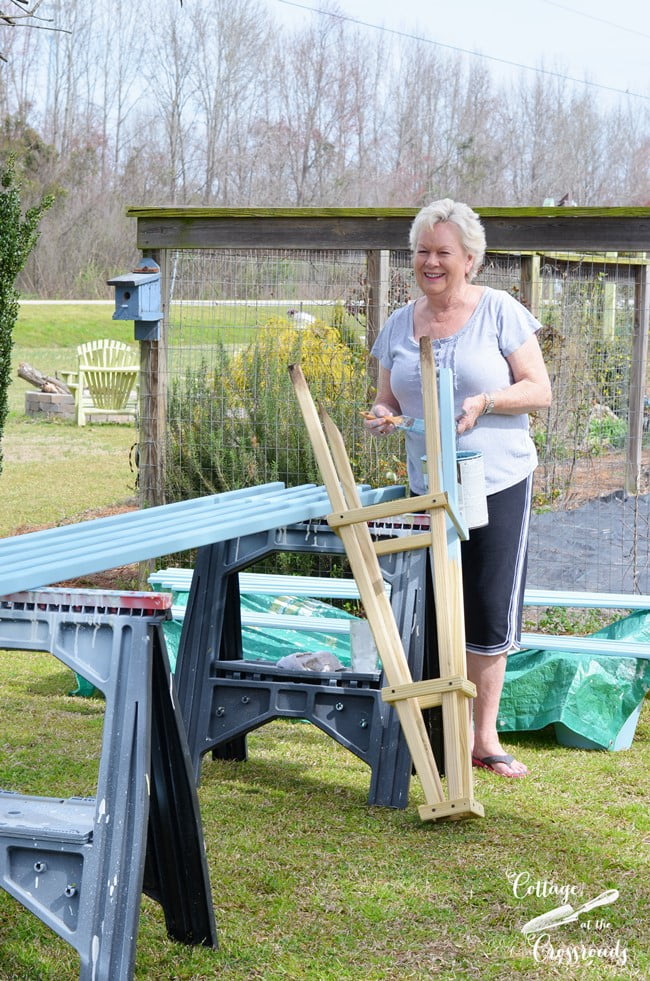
[(472, 408)]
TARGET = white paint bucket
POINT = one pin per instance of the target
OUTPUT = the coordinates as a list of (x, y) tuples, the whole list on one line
[(472, 498)]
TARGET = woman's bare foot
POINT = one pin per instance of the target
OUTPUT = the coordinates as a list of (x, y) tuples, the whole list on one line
[(503, 764)]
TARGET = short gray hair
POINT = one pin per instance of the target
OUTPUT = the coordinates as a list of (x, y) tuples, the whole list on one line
[(472, 233)]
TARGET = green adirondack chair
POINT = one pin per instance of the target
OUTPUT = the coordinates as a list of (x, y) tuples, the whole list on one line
[(107, 379)]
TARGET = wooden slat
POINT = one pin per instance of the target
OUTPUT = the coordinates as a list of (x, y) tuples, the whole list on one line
[(514, 229), (335, 468), (448, 597), (317, 586), (294, 621), (325, 586), (388, 510), (586, 600), (424, 502), (638, 384), (389, 546), (430, 692), (598, 646), (367, 573), (268, 583)]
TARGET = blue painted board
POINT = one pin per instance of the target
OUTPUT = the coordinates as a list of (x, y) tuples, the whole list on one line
[(44, 557)]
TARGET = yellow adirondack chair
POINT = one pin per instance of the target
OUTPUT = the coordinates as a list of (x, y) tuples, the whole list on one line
[(107, 379)]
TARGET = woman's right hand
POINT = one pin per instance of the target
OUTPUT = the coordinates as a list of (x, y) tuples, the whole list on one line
[(375, 421)]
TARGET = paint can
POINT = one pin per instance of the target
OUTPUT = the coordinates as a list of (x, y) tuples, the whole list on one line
[(472, 497)]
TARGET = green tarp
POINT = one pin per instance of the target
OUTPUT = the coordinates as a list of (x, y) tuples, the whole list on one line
[(269, 644), (593, 701)]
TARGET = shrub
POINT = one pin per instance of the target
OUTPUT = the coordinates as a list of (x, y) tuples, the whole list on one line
[(606, 432), (237, 423), (18, 236)]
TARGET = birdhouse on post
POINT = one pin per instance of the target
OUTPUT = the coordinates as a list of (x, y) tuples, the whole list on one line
[(137, 298)]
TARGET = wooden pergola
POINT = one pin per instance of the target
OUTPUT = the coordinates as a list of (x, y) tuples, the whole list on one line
[(532, 232), (507, 229)]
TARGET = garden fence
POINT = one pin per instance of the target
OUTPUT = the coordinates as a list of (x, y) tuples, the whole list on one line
[(236, 317)]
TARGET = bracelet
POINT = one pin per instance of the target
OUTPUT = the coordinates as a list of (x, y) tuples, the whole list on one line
[(488, 404)]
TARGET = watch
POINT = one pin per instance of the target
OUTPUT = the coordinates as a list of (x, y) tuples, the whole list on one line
[(488, 403)]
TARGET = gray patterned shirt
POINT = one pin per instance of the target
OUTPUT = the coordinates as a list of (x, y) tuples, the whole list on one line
[(477, 356)]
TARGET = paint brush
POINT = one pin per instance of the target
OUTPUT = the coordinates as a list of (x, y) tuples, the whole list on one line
[(407, 423)]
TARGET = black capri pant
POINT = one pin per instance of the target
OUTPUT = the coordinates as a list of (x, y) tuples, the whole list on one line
[(494, 560)]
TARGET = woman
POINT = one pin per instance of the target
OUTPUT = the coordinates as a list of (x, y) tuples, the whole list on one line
[(489, 341)]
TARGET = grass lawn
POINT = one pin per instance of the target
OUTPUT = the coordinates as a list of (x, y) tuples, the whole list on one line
[(55, 470), (309, 883)]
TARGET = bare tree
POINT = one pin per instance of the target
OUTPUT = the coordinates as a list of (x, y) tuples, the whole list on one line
[(24, 13), (167, 70), (363, 178), (22, 52), (314, 105), (118, 49), (439, 142), (67, 63), (230, 40), (163, 103), (531, 120)]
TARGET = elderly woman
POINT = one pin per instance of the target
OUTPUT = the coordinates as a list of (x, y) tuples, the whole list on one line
[(488, 339)]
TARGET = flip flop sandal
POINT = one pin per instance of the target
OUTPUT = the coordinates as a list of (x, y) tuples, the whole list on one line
[(487, 763)]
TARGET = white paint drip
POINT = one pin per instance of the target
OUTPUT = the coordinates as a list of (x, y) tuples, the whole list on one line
[(94, 955), (171, 691)]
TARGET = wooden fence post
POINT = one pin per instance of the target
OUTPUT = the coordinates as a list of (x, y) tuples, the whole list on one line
[(638, 372), (153, 403), (530, 283), (378, 272)]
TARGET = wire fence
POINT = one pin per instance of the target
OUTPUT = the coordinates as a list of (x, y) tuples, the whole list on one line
[(236, 319)]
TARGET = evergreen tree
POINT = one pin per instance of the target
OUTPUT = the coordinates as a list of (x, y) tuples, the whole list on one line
[(18, 236)]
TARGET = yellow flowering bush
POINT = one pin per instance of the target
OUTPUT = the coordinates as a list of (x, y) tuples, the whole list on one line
[(261, 371), (237, 423)]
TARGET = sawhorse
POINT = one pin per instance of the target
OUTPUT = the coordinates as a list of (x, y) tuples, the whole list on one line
[(222, 697), (81, 864)]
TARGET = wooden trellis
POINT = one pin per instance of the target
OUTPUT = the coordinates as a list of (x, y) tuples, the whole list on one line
[(350, 520)]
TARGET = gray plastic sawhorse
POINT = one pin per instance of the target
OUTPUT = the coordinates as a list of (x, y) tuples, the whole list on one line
[(81, 864), (223, 697)]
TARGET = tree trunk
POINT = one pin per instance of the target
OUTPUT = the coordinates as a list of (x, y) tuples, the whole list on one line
[(39, 380)]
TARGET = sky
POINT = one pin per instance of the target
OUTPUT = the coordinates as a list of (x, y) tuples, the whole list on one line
[(605, 43)]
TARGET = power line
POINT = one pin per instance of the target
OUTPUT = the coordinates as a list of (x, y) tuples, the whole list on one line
[(472, 54), (600, 20)]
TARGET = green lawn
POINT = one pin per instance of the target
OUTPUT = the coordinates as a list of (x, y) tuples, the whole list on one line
[(66, 325), (54, 470), (309, 883)]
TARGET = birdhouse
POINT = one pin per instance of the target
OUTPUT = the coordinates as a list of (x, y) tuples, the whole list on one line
[(137, 298)]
